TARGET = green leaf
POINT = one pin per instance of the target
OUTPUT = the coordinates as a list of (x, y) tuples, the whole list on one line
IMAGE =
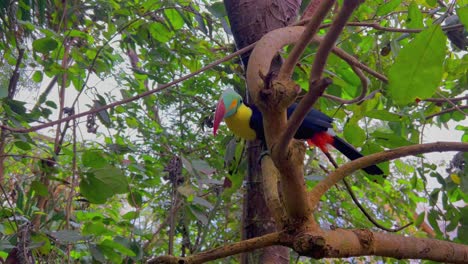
[(37, 76), (420, 219), (186, 190), (174, 18), (51, 104), (95, 229), (102, 115), (432, 217), (202, 202), (131, 215), (135, 199), (39, 188), (3, 91), (23, 145), (44, 45), (119, 247), (100, 184), (203, 167), (199, 214), (131, 122), (354, 134), (113, 178), (5, 245), (97, 254), (390, 140), (387, 7), (415, 17), (43, 243), (463, 234), (418, 69), (93, 159), (462, 13), (160, 32), (110, 253), (384, 115), (217, 9), (431, 3), (94, 190)]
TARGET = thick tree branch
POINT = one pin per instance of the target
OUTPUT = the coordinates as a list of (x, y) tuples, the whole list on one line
[(338, 243), (300, 112), (323, 186), (316, 85), (273, 99), (341, 243), (272, 196), (224, 251)]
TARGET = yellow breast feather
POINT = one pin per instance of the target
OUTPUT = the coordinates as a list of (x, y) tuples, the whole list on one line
[(239, 123)]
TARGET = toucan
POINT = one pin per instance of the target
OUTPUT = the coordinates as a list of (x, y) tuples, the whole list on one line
[(246, 122)]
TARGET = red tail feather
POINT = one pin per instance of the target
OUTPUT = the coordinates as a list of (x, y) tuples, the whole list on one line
[(321, 140)]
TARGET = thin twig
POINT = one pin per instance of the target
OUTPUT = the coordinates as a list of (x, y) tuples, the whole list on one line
[(131, 99), (458, 108), (368, 216), (330, 38), (14, 226), (309, 32), (13, 83), (359, 205), (448, 100)]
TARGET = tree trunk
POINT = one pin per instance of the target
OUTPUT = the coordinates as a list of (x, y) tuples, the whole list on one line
[(250, 20)]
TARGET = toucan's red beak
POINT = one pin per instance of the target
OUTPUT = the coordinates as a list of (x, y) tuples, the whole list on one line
[(219, 114)]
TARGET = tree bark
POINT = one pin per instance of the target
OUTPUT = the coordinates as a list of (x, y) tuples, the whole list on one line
[(250, 20)]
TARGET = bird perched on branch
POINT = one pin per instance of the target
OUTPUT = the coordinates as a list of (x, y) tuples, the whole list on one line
[(246, 122)]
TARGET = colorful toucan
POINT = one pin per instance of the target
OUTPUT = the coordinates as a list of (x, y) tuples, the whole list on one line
[(246, 122)]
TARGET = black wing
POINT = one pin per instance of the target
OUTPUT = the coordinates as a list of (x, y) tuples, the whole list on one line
[(315, 121)]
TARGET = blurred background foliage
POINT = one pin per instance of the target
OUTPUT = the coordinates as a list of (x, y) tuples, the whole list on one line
[(148, 178)]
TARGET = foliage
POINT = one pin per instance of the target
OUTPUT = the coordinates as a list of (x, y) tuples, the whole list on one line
[(147, 178)]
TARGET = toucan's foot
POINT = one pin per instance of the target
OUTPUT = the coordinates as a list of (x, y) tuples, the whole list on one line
[(262, 155)]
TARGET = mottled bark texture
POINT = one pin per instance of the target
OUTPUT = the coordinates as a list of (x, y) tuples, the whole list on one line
[(250, 20)]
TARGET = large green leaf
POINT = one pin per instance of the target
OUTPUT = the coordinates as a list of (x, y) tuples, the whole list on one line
[(44, 45), (418, 69), (100, 184), (174, 18), (388, 7), (354, 134), (415, 17), (462, 13), (160, 32), (94, 159)]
